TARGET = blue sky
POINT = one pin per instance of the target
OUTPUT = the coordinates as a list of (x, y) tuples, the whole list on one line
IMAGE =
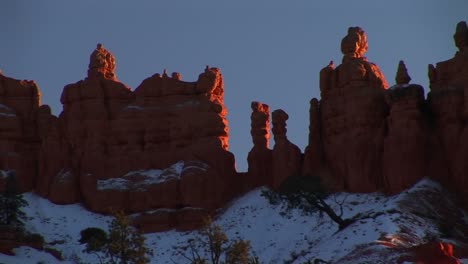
[(268, 51)]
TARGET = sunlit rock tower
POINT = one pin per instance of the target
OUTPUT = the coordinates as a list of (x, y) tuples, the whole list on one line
[(353, 110)]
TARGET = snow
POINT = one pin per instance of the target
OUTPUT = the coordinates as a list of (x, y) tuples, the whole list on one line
[(139, 180), (8, 109), (135, 107), (4, 107), (7, 114), (275, 236), (64, 175), (4, 173)]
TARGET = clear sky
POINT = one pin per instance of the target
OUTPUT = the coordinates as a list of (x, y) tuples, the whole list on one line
[(268, 51)]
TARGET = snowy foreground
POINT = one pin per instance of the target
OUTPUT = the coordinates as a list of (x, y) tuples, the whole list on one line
[(275, 238)]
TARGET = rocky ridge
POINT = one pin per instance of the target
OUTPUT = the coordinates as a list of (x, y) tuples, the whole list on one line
[(162, 149)]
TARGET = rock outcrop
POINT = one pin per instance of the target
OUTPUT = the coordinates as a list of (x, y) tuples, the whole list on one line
[(161, 151), (19, 132), (353, 113), (260, 156), (405, 145), (162, 146), (286, 156), (313, 164), (447, 101), (378, 139)]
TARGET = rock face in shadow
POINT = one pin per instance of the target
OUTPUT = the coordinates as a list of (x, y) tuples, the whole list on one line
[(405, 145), (260, 156), (286, 156), (20, 133), (313, 155), (447, 101)]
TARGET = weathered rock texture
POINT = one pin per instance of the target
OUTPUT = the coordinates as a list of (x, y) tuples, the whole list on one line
[(162, 146), (260, 156), (448, 102), (353, 112), (162, 149), (20, 134), (373, 138), (313, 154), (286, 156)]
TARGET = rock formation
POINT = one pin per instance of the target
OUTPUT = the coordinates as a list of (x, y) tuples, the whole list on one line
[(404, 161), (373, 138), (286, 156), (162, 146), (447, 100), (313, 154), (19, 135), (260, 156), (353, 114), (161, 151)]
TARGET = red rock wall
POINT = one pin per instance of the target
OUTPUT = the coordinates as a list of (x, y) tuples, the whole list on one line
[(378, 139), (362, 136), (353, 114), (260, 156), (19, 135), (108, 132)]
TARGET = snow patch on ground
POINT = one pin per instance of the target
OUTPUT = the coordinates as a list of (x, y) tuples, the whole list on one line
[(275, 236), (134, 107), (138, 180), (8, 112), (5, 173)]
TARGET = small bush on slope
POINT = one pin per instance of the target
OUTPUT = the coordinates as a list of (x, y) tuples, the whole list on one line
[(213, 242), (123, 245)]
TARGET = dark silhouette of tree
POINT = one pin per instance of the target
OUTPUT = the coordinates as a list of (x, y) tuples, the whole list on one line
[(95, 240), (11, 202), (308, 194)]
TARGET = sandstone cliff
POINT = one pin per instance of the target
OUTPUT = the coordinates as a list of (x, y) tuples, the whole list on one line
[(374, 138), (162, 149)]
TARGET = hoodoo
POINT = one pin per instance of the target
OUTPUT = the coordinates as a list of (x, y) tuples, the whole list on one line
[(161, 150)]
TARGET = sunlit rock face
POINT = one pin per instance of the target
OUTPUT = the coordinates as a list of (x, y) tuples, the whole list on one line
[(162, 149), (106, 132), (447, 101), (353, 111), (374, 138)]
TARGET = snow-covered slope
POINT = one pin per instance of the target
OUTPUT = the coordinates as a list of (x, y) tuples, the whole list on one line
[(410, 218)]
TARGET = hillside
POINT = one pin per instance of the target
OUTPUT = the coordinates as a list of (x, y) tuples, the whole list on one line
[(418, 215)]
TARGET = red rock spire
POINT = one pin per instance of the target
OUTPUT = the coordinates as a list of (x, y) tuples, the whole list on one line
[(101, 64), (402, 76)]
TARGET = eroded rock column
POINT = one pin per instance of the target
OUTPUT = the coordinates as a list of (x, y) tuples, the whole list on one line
[(286, 155), (353, 112), (448, 101), (260, 156), (404, 159)]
